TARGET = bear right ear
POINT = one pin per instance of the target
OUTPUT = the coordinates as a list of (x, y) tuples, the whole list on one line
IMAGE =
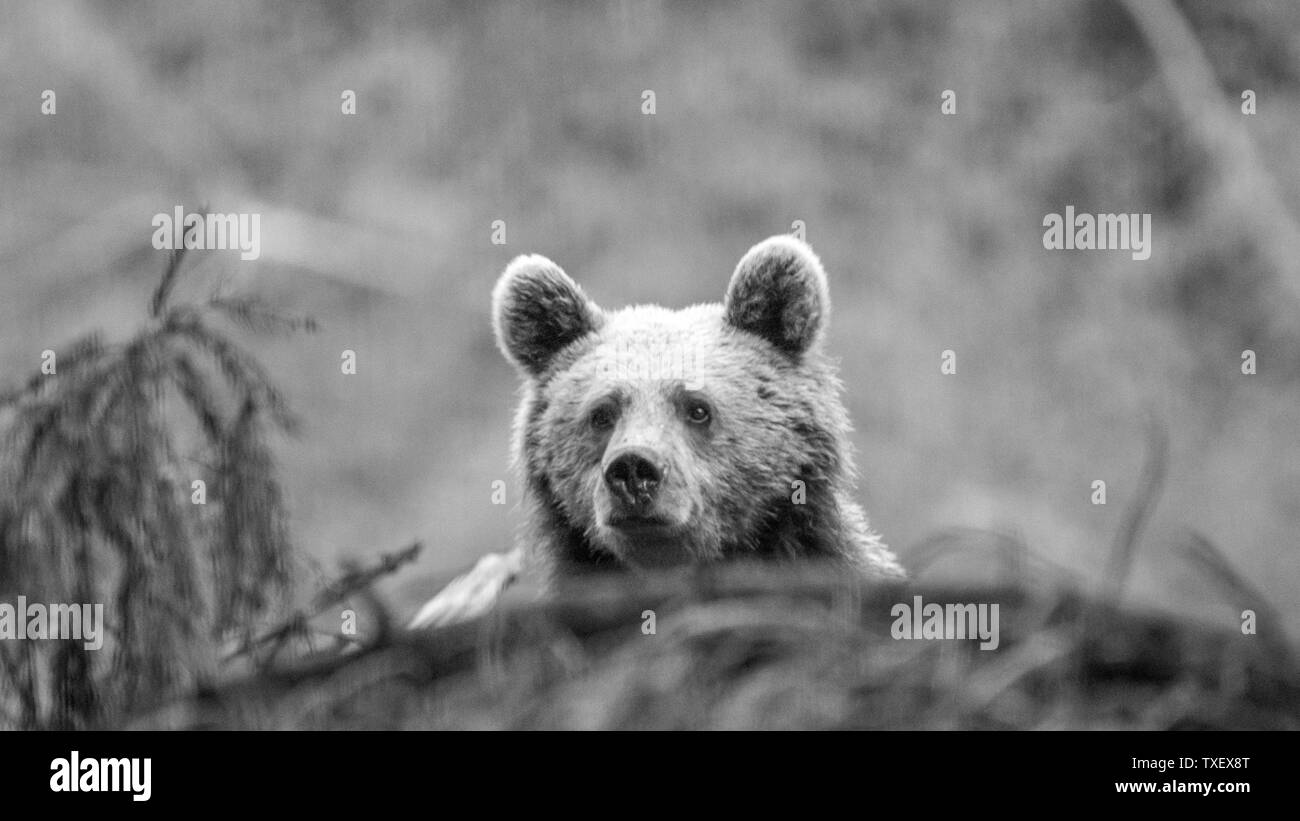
[(779, 293), (537, 310)]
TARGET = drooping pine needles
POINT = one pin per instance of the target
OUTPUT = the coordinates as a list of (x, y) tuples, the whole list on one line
[(100, 461)]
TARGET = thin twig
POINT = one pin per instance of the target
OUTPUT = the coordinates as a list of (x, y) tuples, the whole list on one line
[(1139, 508), (353, 581), (1212, 561)]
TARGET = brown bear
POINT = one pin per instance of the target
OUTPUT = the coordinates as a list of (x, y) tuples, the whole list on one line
[(649, 437)]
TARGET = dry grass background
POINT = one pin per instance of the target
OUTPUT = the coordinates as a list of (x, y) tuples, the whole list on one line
[(745, 647), (378, 226)]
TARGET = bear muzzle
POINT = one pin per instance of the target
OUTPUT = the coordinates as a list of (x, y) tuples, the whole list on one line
[(634, 476)]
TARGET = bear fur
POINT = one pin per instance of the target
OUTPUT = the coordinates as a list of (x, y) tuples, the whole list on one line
[(648, 437)]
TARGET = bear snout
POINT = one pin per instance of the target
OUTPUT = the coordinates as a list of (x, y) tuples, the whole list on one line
[(633, 476)]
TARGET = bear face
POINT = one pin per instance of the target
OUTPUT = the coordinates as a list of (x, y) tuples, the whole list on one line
[(649, 437)]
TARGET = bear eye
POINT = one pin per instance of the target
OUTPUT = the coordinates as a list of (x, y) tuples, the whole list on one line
[(602, 418), (698, 413)]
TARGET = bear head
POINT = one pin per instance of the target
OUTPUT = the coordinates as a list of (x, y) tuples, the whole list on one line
[(651, 437)]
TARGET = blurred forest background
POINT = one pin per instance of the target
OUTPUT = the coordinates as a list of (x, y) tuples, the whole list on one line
[(379, 224)]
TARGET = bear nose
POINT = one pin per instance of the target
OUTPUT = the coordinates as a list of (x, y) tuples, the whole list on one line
[(633, 476)]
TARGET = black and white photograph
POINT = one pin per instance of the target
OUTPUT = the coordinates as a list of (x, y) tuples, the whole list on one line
[(920, 366)]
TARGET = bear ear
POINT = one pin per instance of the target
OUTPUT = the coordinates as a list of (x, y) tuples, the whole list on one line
[(537, 310), (779, 293)]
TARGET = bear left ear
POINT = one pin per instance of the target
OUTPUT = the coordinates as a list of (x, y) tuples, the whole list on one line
[(537, 310), (779, 293)]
